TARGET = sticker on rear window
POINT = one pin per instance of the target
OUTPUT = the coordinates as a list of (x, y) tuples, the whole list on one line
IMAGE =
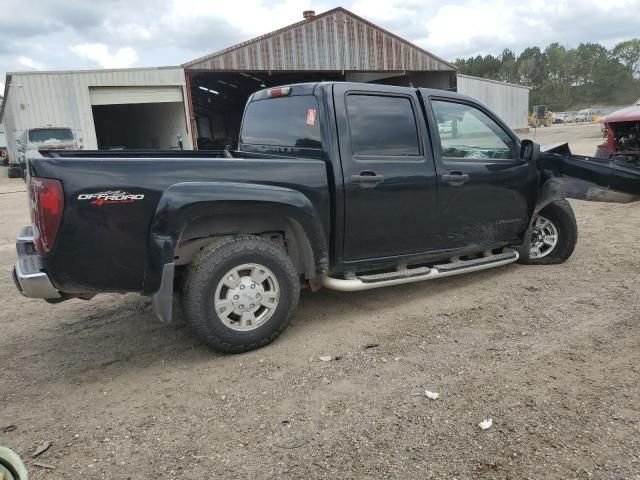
[(311, 117)]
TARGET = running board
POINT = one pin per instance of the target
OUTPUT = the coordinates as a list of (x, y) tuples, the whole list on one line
[(411, 275)]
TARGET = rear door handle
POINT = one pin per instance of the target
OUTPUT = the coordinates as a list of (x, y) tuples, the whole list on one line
[(367, 179), (455, 178)]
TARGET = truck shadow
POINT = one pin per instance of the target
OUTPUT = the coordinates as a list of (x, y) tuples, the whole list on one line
[(113, 334)]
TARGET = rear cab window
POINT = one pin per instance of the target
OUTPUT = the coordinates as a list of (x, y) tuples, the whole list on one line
[(282, 126), (44, 134)]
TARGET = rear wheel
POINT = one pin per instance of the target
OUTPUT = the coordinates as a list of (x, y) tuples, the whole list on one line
[(554, 235), (240, 295)]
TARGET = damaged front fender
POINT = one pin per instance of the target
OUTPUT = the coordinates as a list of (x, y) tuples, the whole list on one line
[(564, 175)]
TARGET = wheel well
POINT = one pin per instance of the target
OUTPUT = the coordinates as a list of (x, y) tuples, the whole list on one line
[(285, 231)]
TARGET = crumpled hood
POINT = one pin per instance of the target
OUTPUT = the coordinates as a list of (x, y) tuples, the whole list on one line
[(629, 114)]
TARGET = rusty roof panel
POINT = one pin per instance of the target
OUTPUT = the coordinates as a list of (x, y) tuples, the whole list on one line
[(335, 40)]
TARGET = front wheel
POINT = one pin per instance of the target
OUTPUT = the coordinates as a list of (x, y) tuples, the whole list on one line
[(554, 235), (240, 295)]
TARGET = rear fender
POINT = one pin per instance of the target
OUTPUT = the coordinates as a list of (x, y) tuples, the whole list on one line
[(186, 203)]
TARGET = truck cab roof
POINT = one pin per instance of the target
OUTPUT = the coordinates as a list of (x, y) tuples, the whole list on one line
[(311, 88)]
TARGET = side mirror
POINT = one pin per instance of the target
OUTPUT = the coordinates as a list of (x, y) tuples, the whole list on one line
[(529, 151)]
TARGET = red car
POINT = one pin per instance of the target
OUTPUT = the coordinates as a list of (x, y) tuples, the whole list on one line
[(622, 134)]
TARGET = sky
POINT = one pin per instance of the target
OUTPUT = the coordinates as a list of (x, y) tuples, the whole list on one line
[(82, 34)]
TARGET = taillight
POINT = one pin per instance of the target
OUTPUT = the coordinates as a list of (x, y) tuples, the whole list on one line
[(47, 203), (279, 92)]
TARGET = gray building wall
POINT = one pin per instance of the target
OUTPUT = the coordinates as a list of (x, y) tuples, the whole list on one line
[(9, 128), (509, 101), (62, 99)]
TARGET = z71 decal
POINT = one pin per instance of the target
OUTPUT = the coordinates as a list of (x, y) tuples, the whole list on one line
[(114, 197)]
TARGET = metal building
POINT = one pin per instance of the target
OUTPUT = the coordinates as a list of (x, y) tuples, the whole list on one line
[(202, 101), (108, 109), (508, 100), (335, 45)]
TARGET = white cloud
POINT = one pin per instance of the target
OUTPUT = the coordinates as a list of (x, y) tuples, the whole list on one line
[(252, 17), (30, 63), (128, 32), (461, 28), (472, 25), (391, 10), (99, 54)]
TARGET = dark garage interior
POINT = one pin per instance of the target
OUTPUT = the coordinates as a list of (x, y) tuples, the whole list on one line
[(218, 100), (139, 125)]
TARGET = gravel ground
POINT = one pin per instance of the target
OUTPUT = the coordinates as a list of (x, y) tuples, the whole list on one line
[(550, 354)]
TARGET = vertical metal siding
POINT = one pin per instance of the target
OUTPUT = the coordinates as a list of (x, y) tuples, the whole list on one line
[(510, 102), (334, 41), (62, 98), (9, 126)]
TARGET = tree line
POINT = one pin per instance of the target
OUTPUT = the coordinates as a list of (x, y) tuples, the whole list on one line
[(566, 78)]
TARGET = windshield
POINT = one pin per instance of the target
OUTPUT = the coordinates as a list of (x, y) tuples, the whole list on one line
[(44, 134)]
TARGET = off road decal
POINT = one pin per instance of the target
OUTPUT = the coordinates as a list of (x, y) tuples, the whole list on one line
[(113, 197)]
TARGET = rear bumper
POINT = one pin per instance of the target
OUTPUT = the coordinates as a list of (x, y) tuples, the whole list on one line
[(28, 276)]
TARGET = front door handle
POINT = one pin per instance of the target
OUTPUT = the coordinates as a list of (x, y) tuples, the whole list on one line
[(455, 178), (367, 179)]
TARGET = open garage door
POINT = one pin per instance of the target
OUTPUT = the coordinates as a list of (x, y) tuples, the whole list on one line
[(139, 117), (124, 95)]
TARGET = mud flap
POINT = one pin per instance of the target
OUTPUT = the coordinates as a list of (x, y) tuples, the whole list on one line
[(162, 300)]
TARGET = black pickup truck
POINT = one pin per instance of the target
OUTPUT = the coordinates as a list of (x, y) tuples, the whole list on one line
[(339, 185)]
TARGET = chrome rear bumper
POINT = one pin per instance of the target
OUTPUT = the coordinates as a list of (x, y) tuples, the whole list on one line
[(28, 276)]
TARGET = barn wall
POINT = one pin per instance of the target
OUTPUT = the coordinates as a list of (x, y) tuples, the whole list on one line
[(509, 101)]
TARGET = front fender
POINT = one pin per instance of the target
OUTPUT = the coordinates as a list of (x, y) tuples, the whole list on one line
[(585, 178), (183, 203)]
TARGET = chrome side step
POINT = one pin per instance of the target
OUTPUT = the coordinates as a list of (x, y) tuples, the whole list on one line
[(412, 275)]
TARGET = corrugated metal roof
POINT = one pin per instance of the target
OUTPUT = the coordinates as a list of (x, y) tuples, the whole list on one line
[(336, 40)]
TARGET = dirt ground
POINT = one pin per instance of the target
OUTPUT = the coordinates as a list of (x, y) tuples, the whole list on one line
[(551, 354)]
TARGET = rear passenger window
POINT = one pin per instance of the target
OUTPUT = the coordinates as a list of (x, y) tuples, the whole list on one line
[(382, 126)]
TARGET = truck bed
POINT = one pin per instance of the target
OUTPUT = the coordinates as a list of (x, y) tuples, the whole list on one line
[(116, 236)]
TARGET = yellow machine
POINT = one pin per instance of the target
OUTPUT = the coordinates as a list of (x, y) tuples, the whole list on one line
[(540, 116)]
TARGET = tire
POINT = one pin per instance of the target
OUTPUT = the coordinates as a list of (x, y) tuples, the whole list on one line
[(208, 291), (560, 216), (14, 171), (10, 462)]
